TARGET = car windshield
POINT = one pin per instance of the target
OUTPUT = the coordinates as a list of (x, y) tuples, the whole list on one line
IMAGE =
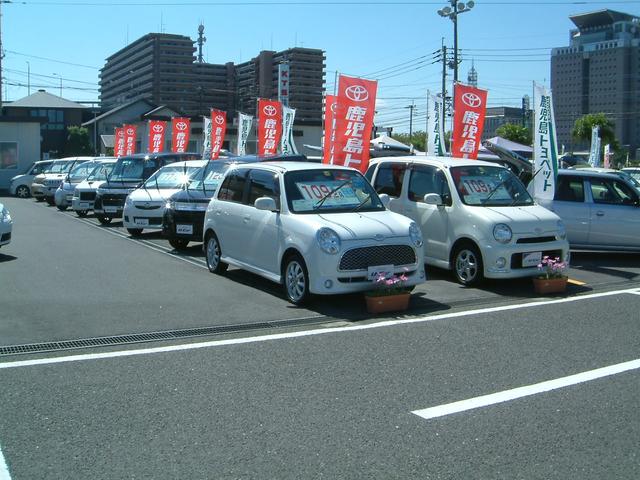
[(489, 186), (60, 167), (132, 169), (100, 172), (170, 177), (81, 171), (630, 178), (329, 190), (213, 173)]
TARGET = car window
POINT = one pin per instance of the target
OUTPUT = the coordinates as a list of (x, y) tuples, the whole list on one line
[(612, 192), (389, 178), (232, 188), (263, 184), (427, 179), (569, 189)]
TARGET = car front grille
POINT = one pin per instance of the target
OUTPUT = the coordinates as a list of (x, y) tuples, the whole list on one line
[(365, 257), (111, 200), (516, 258), (536, 239), (87, 195)]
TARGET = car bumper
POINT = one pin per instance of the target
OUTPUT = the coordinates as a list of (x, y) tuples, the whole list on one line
[(133, 217), (37, 190), (183, 225), (5, 233), (514, 258), (63, 198), (81, 205)]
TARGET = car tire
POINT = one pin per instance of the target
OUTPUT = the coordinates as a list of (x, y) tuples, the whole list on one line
[(213, 253), (81, 213), (23, 192), (178, 243), (467, 265), (295, 279), (104, 220), (50, 201), (62, 208), (134, 232)]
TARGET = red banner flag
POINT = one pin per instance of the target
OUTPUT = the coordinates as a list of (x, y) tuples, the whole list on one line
[(130, 133), (470, 107), (218, 131), (269, 126), (157, 129), (118, 143), (330, 105), (181, 130), (354, 122)]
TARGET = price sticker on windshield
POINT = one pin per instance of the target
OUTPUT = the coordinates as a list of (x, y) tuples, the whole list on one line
[(479, 188), (316, 191)]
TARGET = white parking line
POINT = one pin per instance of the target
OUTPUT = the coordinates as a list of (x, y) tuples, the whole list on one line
[(4, 470), (304, 333), (528, 390)]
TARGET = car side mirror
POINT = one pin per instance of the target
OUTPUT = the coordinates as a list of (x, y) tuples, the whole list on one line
[(433, 199), (385, 199), (266, 203)]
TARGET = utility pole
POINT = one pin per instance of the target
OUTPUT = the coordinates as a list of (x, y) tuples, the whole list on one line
[(1, 55), (444, 73), (411, 107)]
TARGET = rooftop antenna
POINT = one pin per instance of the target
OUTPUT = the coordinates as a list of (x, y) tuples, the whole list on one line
[(201, 40)]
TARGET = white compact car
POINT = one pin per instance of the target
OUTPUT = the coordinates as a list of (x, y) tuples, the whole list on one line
[(6, 225), (84, 193), (63, 196), (144, 207), (21, 184), (314, 229), (477, 218), (44, 186)]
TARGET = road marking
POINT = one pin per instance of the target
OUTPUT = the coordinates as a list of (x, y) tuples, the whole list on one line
[(4, 470), (528, 390), (576, 282), (304, 333)]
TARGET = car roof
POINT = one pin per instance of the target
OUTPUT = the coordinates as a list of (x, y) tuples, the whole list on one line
[(589, 172), (436, 160), (161, 155), (292, 166), (187, 163)]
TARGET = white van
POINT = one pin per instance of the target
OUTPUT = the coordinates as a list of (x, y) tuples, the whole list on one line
[(477, 218), (21, 184)]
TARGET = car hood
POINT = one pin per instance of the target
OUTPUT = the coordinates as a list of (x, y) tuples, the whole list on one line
[(192, 196), (525, 219), (366, 224), (151, 194), (18, 177)]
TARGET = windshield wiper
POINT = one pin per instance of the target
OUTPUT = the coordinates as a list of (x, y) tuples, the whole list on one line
[(495, 189), (360, 205), (322, 200)]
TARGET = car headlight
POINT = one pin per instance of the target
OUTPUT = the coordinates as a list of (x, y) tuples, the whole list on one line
[(562, 231), (5, 217), (128, 202), (502, 233), (169, 205), (328, 240), (416, 234)]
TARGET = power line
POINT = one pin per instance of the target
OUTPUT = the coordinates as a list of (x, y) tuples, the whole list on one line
[(51, 60), (305, 4)]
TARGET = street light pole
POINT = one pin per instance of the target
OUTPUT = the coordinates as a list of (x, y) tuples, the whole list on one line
[(452, 13)]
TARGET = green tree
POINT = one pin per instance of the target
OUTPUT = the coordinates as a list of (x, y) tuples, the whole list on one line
[(78, 142), (515, 133), (418, 139), (583, 125)]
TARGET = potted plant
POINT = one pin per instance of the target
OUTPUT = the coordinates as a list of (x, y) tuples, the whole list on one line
[(389, 295), (552, 277)]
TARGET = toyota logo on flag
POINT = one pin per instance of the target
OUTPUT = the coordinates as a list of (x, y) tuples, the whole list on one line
[(120, 133), (270, 110), (357, 93), (158, 128), (219, 119), (472, 100), (181, 125), (334, 107)]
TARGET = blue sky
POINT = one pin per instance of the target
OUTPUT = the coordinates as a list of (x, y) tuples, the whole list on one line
[(509, 41)]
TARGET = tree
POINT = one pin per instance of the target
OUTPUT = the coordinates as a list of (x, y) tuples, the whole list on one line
[(515, 133), (418, 139), (583, 125), (78, 142)]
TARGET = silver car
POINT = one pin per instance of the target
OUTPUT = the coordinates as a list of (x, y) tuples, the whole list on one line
[(601, 210)]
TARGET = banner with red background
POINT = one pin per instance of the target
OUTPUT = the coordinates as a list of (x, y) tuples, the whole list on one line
[(269, 126), (118, 142), (470, 106), (157, 129), (130, 133), (354, 122), (180, 132), (330, 105), (218, 131)]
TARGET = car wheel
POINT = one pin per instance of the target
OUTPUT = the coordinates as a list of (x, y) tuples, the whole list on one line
[(178, 243), (39, 199), (81, 213), (23, 192), (50, 201), (134, 232), (467, 265), (62, 208), (103, 220), (213, 254), (296, 280)]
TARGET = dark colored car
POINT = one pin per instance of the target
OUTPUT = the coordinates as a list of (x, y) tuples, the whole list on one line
[(184, 215), (129, 173)]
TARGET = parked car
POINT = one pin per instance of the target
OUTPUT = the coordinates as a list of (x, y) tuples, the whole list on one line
[(633, 171), (64, 194), (128, 174), (477, 218), (144, 207), (626, 175), (44, 186), (314, 229), (601, 210), (21, 184), (85, 192), (6, 224), (184, 214)]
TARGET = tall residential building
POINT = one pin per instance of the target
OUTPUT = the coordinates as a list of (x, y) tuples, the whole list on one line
[(599, 72)]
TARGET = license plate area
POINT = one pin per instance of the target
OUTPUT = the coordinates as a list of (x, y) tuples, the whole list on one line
[(184, 229), (531, 259), (375, 271), (111, 209), (141, 222)]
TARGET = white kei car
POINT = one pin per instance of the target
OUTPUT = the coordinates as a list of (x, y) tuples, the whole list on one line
[(84, 193), (316, 229), (6, 225), (145, 206)]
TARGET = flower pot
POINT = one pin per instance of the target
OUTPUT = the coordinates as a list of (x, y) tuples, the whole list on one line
[(387, 303), (550, 285)]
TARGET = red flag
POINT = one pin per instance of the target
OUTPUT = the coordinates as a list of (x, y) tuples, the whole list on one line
[(130, 133), (218, 131), (269, 126), (330, 105), (181, 130), (157, 129), (118, 144), (470, 106), (354, 122)]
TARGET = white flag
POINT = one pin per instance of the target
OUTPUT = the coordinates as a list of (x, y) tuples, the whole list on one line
[(545, 151), (594, 153), (435, 127), (607, 156), (206, 141), (244, 127), (287, 145)]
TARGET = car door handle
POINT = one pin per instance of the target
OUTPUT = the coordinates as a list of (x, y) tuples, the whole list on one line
[(600, 213)]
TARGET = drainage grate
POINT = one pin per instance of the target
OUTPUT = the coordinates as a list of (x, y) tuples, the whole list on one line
[(154, 336)]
